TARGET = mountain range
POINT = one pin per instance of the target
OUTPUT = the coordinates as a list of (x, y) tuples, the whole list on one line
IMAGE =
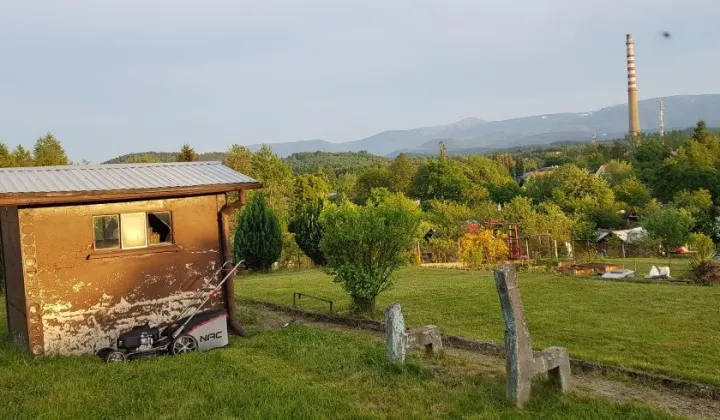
[(473, 135)]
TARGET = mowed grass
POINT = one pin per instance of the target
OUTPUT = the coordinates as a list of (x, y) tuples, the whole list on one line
[(667, 329), (293, 372)]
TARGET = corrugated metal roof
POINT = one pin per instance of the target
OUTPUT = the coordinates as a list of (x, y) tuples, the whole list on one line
[(110, 177)]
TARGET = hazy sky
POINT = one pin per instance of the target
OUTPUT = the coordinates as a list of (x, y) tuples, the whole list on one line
[(113, 77)]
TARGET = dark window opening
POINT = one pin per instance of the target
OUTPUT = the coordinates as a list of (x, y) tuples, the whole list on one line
[(106, 232), (159, 228)]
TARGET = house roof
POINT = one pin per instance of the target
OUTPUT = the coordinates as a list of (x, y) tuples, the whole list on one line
[(77, 183)]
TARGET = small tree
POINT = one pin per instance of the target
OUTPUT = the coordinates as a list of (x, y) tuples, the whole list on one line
[(49, 152), (671, 225), (365, 244), (704, 269), (21, 157), (239, 158), (258, 239), (702, 245), (308, 230), (187, 154)]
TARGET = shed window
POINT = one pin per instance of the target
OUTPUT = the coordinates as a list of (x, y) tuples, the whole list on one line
[(106, 232), (133, 228), (159, 228)]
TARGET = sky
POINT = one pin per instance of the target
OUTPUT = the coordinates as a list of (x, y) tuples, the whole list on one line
[(114, 77)]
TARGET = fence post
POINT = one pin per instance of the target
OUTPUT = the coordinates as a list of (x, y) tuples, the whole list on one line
[(527, 250)]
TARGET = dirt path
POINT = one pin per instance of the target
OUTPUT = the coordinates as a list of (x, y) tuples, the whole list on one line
[(590, 385)]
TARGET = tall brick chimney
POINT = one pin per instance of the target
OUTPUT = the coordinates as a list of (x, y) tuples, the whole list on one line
[(633, 110)]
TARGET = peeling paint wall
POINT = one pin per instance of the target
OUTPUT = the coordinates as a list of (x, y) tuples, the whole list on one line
[(80, 300)]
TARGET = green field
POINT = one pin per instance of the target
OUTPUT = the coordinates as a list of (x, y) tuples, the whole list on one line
[(294, 372), (667, 329)]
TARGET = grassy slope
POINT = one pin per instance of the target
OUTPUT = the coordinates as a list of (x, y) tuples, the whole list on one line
[(668, 329), (296, 372)]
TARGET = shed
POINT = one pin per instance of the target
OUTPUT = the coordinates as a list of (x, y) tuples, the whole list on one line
[(90, 251)]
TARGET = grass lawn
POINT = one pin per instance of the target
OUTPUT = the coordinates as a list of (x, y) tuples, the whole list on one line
[(294, 372), (668, 329)]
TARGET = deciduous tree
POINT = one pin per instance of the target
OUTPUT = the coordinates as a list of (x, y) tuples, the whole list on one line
[(401, 172), (308, 230), (671, 225), (364, 245), (239, 158)]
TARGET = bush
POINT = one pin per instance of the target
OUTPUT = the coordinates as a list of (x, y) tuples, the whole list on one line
[(308, 231), (258, 239), (702, 245), (363, 245), (444, 249), (705, 272), (480, 246)]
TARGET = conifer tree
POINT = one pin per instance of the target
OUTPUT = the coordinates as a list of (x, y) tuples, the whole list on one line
[(308, 231), (258, 238), (187, 154), (49, 152)]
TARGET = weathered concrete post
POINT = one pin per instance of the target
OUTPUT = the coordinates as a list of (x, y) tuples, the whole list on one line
[(395, 335), (521, 362), (518, 349), (398, 339)]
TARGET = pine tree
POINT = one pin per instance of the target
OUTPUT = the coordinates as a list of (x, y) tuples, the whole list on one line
[(187, 154), (258, 239), (21, 157), (49, 152), (308, 231), (5, 156)]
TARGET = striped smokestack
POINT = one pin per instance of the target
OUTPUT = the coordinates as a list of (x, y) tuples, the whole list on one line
[(634, 114)]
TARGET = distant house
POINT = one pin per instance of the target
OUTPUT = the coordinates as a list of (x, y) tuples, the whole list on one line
[(90, 251)]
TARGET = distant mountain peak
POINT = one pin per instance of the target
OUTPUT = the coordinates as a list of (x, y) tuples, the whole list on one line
[(469, 121), (474, 134)]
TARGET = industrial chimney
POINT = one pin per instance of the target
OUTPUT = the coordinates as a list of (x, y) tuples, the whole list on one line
[(634, 113)]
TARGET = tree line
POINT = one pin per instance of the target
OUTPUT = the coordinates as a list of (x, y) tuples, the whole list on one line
[(47, 151), (669, 185)]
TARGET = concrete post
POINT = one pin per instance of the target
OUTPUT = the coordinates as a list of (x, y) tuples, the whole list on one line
[(395, 336)]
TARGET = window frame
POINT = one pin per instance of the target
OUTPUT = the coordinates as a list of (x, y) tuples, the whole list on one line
[(144, 230), (172, 229), (121, 248), (119, 240)]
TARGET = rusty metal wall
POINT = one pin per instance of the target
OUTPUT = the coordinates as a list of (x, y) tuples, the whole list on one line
[(85, 302), (14, 285)]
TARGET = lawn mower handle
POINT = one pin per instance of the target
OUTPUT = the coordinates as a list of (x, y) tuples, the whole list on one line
[(230, 273)]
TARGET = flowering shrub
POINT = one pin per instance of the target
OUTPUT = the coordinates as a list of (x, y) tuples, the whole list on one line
[(479, 246)]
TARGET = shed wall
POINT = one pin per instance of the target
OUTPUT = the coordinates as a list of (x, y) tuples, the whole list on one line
[(14, 284), (86, 298)]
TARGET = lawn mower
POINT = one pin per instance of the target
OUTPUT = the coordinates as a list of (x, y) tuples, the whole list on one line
[(190, 331)]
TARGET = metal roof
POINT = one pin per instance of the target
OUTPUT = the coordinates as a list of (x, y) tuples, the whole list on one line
[(114, 177)]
